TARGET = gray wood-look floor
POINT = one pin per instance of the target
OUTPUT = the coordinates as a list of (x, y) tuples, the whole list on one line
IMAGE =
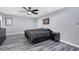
[(18, 42)]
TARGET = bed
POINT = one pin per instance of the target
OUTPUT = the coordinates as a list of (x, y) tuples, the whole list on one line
[(38, 35)]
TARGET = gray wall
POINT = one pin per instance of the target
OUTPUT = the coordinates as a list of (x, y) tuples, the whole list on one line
[(65, 21), (0, 21), (20, 23)]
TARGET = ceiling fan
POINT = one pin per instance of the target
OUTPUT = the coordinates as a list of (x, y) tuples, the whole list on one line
[(30, 11)]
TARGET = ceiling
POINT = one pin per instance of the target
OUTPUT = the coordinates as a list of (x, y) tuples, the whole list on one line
[(15, 11)]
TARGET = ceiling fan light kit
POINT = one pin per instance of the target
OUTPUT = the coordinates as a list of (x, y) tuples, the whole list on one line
[(28, 13)]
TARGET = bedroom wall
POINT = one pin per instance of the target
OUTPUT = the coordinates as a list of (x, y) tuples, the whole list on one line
[(65, 21), (20, 23), (0, 21)]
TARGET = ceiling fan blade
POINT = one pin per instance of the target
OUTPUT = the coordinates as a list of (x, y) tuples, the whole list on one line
[(25, 8), (22, 11), (35, 10)]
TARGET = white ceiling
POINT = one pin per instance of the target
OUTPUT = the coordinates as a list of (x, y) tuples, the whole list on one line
[(15, 11)]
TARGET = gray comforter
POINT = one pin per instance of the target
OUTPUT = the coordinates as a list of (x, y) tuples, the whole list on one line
[(37, 33)]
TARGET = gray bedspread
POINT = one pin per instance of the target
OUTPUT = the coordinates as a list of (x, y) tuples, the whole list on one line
[(37, 33)]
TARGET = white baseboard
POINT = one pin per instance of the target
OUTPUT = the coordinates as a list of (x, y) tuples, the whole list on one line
[(15, 33), (70, 43)]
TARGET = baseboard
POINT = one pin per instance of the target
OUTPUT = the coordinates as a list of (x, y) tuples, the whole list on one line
[(15, 33), (70, 43)]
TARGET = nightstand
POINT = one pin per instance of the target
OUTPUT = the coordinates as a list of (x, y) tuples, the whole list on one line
[(55, 36)]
